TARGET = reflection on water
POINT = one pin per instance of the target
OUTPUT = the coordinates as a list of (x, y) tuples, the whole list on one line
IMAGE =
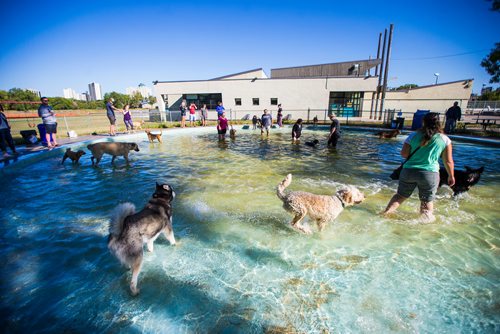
[(238, 266)]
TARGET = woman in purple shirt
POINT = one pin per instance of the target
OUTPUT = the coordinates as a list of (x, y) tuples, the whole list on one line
[(127, 118)]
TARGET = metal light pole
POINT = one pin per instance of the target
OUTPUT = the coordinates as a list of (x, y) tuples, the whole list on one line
[(437, 76)]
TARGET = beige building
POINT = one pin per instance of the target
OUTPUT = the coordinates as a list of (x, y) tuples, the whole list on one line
[(345, 88)]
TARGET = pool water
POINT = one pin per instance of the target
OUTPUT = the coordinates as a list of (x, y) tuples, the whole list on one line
[(238, 266)]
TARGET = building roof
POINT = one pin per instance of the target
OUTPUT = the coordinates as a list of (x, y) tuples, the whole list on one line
[(250, 74), (353, 68), (465, 82)]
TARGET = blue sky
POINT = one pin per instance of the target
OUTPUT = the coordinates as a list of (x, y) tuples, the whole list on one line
[(53, 45)]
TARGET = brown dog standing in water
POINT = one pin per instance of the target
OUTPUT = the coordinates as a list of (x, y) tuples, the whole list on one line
[(152, 136), (112, 148), (388, 134), (74, 156)]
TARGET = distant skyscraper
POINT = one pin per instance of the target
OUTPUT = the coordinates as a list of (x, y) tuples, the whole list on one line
[(145, 91), (69, 93), (95, 91)]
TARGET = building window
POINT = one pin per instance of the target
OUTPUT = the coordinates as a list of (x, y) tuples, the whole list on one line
[(274, 101), (255, 101), (237, 102), (346, 104)]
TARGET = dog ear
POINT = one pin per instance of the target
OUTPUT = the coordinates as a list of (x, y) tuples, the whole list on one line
[(467, 168), (481, 169), (346, 195)]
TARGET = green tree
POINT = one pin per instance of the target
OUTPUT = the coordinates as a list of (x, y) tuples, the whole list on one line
[(152, 100), (135, 100), (490, 96), (492, 64), (407, 86), (120, 99)]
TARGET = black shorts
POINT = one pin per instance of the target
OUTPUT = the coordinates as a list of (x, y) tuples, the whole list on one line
[(222, 132), (51, 128), (112, 119)]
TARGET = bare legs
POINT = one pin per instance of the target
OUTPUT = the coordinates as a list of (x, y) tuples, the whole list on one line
[(426, 208), (394, 203), (49, 142)]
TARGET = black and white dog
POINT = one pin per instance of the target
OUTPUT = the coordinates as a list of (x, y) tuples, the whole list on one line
[(128, 230), (464, 180)]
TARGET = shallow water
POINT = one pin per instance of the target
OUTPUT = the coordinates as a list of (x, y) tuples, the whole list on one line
[(238, 267)]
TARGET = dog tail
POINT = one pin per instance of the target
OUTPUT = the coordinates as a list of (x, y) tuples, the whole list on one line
[(118, 216), (280, 191)]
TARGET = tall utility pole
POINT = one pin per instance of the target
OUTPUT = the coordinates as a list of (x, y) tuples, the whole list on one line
[(386, 70), (380, 75), (376, 72)]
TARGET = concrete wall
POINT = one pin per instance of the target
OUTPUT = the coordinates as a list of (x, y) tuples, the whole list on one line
[(437, 98)]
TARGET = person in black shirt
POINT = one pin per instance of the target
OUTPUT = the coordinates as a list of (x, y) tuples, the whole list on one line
[(334, 135), (297, 130), (453, 115)]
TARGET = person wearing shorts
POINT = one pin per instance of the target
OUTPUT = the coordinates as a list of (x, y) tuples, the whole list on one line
[(204, 115), (110, 112), (421, 170), (266, 122), (183, 110), (49, 121), (222, 125), (192, 114)]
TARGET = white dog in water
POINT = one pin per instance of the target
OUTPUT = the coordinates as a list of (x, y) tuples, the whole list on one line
[(320, 208)]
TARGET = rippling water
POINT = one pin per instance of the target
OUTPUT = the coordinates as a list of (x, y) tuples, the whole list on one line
[(238, 267)]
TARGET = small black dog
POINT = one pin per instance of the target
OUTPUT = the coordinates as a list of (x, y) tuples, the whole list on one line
[(464, 180), (313, 143)]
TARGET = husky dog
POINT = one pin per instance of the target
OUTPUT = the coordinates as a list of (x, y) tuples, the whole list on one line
[(74, 156), (128, 230), (464, 180), (113, 148), (321, 208)]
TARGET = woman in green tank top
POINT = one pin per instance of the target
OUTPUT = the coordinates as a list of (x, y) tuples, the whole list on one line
[(422, 169)]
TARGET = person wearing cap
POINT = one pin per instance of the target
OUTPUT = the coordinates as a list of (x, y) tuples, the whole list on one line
[(49, 121), (334, 134), (110, 112), (453, 115)]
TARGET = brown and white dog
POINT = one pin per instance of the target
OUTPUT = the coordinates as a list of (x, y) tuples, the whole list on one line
[(74, 156), (154, 135), (320, 208), (388, 134)]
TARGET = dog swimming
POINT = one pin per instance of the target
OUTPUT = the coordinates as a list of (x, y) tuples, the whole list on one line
[(321, 208), (129, 231)]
